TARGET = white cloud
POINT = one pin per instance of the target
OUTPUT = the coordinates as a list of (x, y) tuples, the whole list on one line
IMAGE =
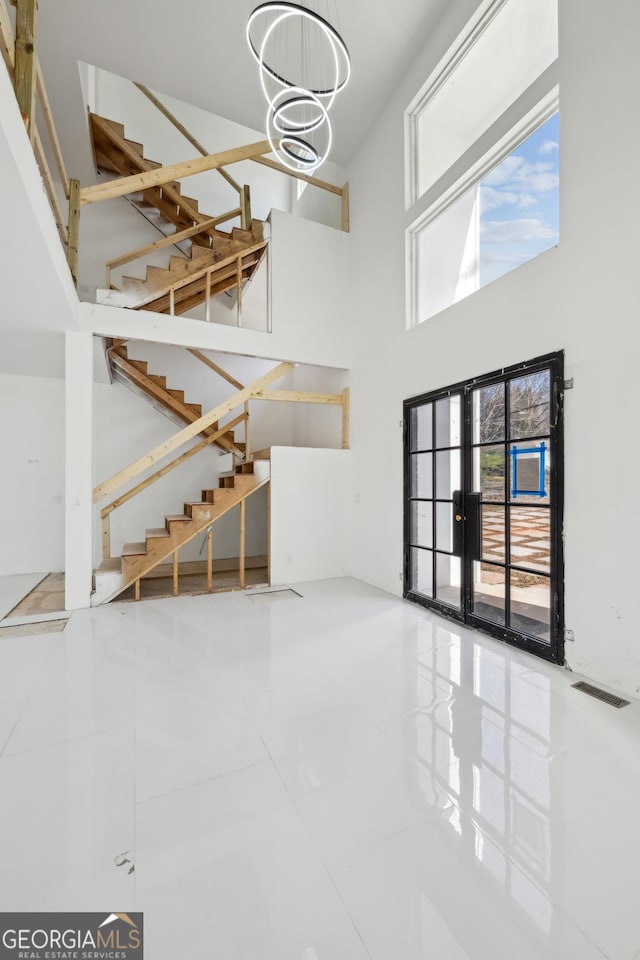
[(548, 147), (516, 231), (491, 199), (518, 175), (526, 201)]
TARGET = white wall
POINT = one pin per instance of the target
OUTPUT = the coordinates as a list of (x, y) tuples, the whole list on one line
[(317, 204), (310, 316), (580, 297), (310, 523), (32, 476)]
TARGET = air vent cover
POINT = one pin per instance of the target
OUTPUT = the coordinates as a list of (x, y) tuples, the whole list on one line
[(599, 694)]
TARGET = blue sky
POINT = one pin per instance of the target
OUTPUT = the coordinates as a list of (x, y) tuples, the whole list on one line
[(519, 209)]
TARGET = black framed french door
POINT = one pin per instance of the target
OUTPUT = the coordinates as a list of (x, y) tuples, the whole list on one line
[(484, 501)]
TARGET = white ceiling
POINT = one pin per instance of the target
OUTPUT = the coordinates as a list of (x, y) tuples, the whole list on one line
[(196, 51)]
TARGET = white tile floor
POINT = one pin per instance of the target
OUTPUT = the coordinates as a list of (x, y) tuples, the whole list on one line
[(333, 777)]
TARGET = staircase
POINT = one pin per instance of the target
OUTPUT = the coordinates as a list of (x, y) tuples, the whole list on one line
[(217, 262), (137, 559), (172, 402)]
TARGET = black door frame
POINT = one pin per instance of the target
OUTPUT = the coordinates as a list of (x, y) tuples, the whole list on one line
[(554, 362)]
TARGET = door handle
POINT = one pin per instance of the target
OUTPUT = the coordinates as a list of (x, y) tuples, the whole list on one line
[(457, 534)]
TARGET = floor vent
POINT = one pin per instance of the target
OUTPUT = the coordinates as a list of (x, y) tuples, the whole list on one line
[(273, 596), (601, 694)]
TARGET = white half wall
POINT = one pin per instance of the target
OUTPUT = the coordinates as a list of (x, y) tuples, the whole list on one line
[(310, 522), (32, 475)]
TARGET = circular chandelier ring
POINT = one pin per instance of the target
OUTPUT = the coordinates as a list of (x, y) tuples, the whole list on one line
[(287, 10), (287, 124), (282, 149)]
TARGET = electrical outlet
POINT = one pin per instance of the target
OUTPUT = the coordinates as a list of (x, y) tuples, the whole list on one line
[(568, 636)]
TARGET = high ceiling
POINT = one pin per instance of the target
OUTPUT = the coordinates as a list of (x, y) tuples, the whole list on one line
[(196, 51)]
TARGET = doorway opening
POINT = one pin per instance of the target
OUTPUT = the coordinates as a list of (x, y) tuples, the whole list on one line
[(484, 502)]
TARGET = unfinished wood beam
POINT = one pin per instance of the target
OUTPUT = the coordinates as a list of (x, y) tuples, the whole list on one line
[(26, 62), (299, 396), (216, 369), (176, 171), (245, 204), (188, 433), (243, 526), (280, 167), (210, 559), (169, 467), (106, 538), (173, 238), (51, 129), (45, 170), (176, 570), (185, 133), (247, 432), (74, 228), (346, 398), (345, 208), (7, 40)]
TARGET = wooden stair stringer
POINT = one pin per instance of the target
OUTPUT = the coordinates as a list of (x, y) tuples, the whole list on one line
[(209, 513), (162, 395)]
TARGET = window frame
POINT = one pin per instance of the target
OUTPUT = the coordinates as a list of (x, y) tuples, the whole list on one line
[(539, 102)]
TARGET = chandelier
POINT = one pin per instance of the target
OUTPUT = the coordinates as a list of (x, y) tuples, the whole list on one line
[(304, 64)]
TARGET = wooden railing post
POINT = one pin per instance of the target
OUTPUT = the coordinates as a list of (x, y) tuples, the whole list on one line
[(74, 228), (346, 396), (210, 559), (345, 208), (247, 433), (245, 218), (25, 75), (106, 537), (239, 285), (242, 541)]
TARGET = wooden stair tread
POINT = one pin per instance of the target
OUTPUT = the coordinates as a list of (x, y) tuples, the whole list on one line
[(157, 532), (112, 565), (178, 517), (134, 549)]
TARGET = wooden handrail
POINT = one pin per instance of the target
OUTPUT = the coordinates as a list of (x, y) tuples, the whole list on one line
[(49, 186), (173, 238), (130, 494), (175, 171), (183, 436), (280, 167), (53, 133), (299, 396), (7, 40), (185, 133)]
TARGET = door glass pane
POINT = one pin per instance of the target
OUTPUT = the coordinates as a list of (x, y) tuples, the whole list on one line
[(421, 427), (422, 475), (444, 521), (531, 538), (448, 573), (531, 604), (447, 473), (489, 591), (493, 541), (422, 571), (530, 406), (421, 523), (488, 413), (448, 417), (530, 472), (488, 472)]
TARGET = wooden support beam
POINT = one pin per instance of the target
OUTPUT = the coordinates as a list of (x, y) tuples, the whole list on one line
[(106, 538), (74, 228), (239, 290), (45, 170), (345, 208), (26, 63), (280, 167), (173, 238), (137, 589), (247, 432), (216, 369), (299, 396), (207, 298), (188, 433), (346, 398), (175, 171), (176, 569), (245, 203), (185, 133), (210, 559), (169, 467), (243, 524), (7, 40), (51, 128)]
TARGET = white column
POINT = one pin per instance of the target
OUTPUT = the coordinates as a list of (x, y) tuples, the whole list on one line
[(78, 469)]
